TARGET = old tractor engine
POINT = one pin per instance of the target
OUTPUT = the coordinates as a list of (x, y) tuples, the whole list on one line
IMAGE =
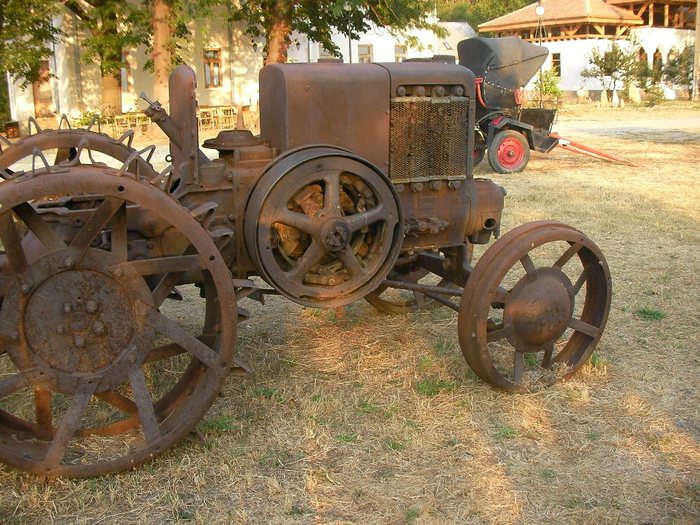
[(359, 186)]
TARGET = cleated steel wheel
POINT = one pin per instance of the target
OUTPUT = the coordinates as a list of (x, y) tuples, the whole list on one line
[(55, 148), (100, 373), (535, 307)]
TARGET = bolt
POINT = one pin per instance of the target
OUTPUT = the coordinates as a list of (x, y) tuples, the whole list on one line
[(98, 327), (67, 308), (454, 184), (435, 185), (69, 262), (26, 288), (60, 329), (132, 358), (118, 272), (416, 187), (79, 341), (91, 306)]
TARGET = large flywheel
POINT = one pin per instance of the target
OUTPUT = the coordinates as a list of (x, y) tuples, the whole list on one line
[(99, 372), (323, 226)]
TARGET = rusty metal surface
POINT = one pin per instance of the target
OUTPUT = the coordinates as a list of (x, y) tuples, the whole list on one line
[(81, 322), (500, 322), (360, 185), (324, 227)]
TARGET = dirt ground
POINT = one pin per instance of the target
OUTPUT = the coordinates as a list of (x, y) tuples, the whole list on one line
[(376, 419)]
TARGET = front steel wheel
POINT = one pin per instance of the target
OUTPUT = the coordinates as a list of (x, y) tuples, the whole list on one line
[(535, 307)]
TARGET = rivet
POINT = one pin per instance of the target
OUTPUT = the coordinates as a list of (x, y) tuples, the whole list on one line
[(67, 308), (79, 341), (69, 262), (25, 288), (98, 327), (60, 330), (91, 307), (118, 272)]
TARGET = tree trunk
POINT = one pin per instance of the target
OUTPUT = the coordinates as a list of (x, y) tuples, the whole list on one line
[(278, 34), (162, 54), (111, 95)]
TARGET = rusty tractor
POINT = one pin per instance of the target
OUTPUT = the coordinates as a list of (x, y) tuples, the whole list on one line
[(359, 186)]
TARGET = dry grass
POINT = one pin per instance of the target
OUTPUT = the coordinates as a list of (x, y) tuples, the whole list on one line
[(377, 419)]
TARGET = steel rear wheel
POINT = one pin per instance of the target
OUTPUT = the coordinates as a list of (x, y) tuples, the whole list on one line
[(509, 152), (99, 372), (535, 307)]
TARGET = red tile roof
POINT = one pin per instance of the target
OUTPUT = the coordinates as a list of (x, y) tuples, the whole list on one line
[(558, 12)]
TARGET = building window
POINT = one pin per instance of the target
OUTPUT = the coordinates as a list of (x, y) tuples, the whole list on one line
[(126, 80), (399, 53), (364, 53), (212, 68), (556, 64)]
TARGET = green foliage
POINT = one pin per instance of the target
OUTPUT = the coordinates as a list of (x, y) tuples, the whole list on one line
[(319, 19), (4, 101), (113, 26), (505, 432), (477, 11), (433, 386), (612, 68), (26, 37), (679, 69), (650, 314), (547, 83)]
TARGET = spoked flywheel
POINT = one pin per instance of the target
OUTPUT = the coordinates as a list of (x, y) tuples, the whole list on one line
[(100, 372), (323, 226), (535, 306)]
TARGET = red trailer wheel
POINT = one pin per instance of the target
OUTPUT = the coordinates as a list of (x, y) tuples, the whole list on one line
[(509, 152)]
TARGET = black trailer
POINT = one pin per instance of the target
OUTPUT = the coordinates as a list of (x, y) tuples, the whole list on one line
[(505, 131)]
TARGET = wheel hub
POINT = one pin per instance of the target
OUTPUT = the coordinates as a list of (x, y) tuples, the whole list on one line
[(77, 323), (538, 311), (335, 235)]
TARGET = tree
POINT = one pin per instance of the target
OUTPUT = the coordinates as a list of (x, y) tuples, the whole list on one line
[(476, 11), (114, 25), (612, 68), (679, 69), (276, 19), (26, 37)]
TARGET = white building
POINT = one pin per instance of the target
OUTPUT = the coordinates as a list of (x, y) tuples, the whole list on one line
[(226, 61), (571, 29)]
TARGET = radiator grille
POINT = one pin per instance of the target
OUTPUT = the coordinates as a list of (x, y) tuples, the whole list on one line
[(428, 139)]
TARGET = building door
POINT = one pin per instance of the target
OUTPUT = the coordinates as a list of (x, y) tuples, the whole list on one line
[(43, 99)]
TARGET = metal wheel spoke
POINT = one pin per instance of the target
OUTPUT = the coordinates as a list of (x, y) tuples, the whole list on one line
[(177, 264), (518, 367), (500, 297), (118, 401), (12, 384), (42, 405), (548, 353), (576, 287), (499, 333), (331, 200), (529, 266), (39, 227), (167, 351), (178, 335), (311, 256), (144, 403), (119, 238), (12, 244), (568, 254), (296, 220), (70, 423), (352, 265), (360, 220), (584, 328), (94, 225)]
